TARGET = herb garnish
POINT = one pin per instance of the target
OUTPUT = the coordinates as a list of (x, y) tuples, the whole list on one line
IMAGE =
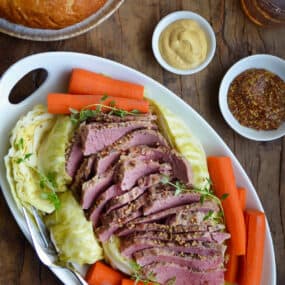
[(25, 157), (20, 144), (215, 216), (84, 114), (224, 196), (49, 181), (137, 273), (179, 187)]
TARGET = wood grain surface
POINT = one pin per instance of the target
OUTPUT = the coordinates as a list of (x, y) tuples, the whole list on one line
[(126, 38)]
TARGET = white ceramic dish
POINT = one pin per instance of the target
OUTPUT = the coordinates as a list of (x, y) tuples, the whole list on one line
[(59, 65), (33, 34), (170, 18), (265, 61)]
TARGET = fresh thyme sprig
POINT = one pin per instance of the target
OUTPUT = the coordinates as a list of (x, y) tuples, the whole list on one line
[(49, 181), (85, 113), (137, 275), (24, 158), (179, 187)]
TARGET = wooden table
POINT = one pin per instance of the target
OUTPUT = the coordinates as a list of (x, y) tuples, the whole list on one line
[(126, 38)]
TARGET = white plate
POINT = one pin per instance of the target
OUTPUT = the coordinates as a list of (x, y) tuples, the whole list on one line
[(265, 61), (179, 15), (33, 34), (59, 65)]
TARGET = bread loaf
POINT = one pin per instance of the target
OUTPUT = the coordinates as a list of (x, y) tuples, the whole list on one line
[(48, 14)]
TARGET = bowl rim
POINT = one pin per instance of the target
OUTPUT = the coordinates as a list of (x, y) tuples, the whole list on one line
[(256, 135), (178, 15)]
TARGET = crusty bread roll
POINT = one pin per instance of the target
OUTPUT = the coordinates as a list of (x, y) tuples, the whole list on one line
[(48, 14)]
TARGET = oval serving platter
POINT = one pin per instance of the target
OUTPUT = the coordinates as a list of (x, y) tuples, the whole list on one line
[(58, 65), (84, 26)]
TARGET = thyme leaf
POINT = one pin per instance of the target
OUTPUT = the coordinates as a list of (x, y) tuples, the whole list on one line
[(103, 98), (178, 186), (49, 181), (24, 158), (138, 273), (20, 144), (224, 196)]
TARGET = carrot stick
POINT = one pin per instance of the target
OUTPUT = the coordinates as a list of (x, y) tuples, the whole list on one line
[(59, 103), (101, 274), (233, 262), (87, 82), (231, 266), (252, 262), (222, 175), (242, 197)]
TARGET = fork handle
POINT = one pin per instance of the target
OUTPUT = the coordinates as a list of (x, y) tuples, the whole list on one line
[(78, 277)]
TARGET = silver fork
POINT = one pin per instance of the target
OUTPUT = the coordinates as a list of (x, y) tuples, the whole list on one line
[(43, 245)]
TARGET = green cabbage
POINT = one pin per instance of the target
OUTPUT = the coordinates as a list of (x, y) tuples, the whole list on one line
[(52, 152), (114, 257), (181, 138), (72, 234), (21, 160)]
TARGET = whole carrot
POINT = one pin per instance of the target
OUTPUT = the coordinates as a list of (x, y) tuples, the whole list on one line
[(99, 274), (87, 82), (242, 197), (233, 262), (59, 103), (222, 176), (252, 263)]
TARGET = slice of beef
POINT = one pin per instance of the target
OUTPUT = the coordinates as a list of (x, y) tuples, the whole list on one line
[(182, 275), (143, 184), (136, 228), (118, 215), (93, 187), (109, 155), (96, 136), (74, 156), (101, 201), (107, 118), (193, 261), (194, 210), (130, 245), (83, 173), (130, 170), (183, 218), (181, 168), (107, 230), (183, 238), (162, 197)]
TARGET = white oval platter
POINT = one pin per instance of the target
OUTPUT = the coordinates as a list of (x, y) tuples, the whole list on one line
[(59, 65)]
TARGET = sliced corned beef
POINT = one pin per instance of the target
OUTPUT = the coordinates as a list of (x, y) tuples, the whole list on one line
[(130, 170), (194, 261), (108, 118), (83, 173), (95, 136), (182, 275), (136, 228), (93, 187), (109, 155), (182, 238), (143, 184), (163, 197), (132, 244), (181, 168), (106, 230), (193, 208), (74, 156), (101, 201)]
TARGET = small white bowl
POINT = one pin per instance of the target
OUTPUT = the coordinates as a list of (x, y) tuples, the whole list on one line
[(265, 61), (179, 15)]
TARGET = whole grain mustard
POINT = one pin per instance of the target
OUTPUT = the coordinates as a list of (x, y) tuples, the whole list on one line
[(183, 44)]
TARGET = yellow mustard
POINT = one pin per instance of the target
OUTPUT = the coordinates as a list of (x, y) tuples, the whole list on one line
[(183, 44)]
